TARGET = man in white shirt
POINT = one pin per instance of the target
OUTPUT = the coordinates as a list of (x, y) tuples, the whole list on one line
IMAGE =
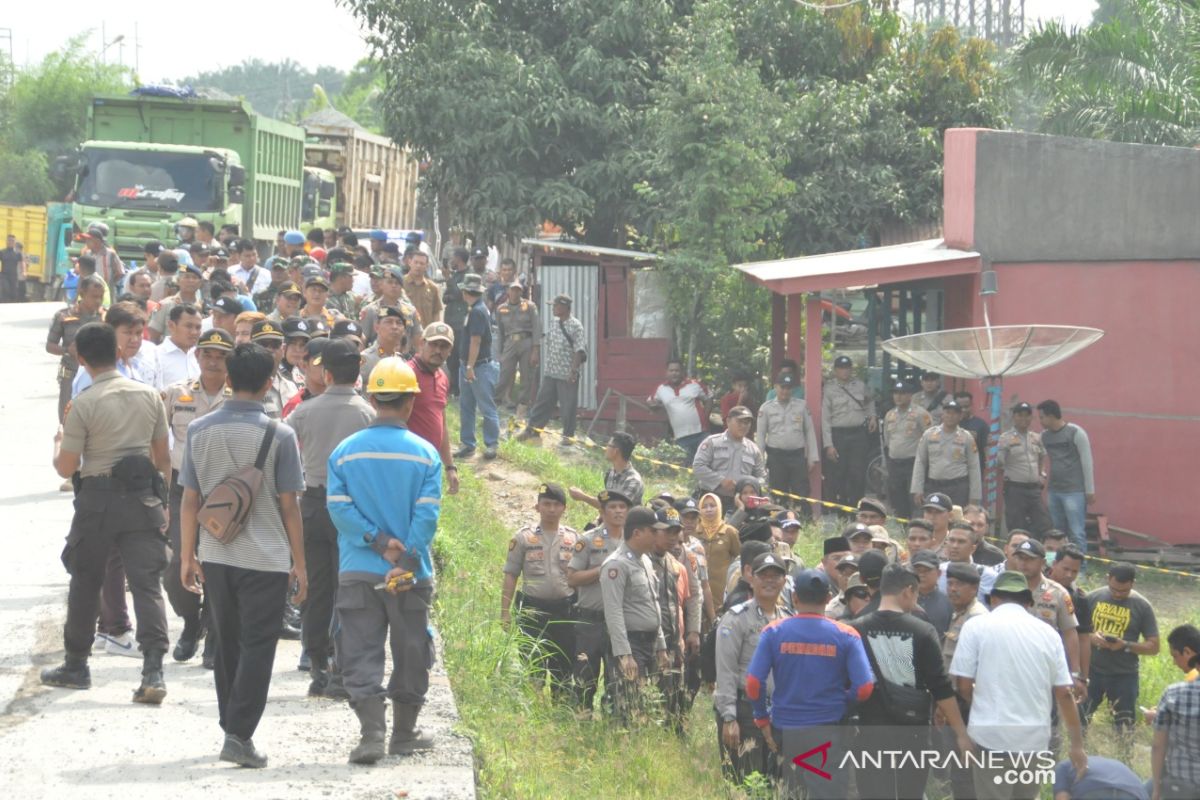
[(137, 359), (1008, 665), (177, 355), (247, 271), (686, 402)]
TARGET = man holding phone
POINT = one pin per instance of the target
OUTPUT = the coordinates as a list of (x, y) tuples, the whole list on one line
[(1124, 628)]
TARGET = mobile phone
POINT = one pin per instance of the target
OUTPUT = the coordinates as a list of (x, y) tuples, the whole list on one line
[(753, 501), (1108, 637)]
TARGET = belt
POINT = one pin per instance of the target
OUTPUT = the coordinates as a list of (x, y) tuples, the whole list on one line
[(642, 636), (857, 427), (101, 482), (554, 606), (964, 478), (1023, 484), (314, 491), (589, 614), (520, 335), (901, 460)]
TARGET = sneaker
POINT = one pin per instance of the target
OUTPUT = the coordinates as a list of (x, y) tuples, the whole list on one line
[(305, 663), (123, 645), (99, 642), (464, 452), (489, 453)]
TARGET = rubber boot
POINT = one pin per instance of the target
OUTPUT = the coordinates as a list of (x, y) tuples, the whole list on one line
[(372, 717), (406, 736), (72, 674), (153, 689)]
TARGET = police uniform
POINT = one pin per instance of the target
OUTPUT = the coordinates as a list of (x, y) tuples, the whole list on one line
[(541, 560), (679, 611), (1020, 458), (948, 462), (931, 402), (321, 424), (591, 636), (787, 432), (632, 616), (63, 327), (721, 457), (282, 389), (185, 402), (902, 431), (119, 502), (846, 409), (519, 331), (371, 313), (736, 640)]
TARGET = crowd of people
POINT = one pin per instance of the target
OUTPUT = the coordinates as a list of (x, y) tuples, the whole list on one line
[(269, 446)]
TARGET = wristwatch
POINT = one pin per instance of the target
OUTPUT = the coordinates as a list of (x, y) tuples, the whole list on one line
[(451, 467)]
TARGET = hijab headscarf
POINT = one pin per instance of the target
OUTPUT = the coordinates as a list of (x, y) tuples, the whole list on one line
[(710, 528)]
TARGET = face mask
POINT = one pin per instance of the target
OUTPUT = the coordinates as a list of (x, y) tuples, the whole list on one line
[(1050, 558)]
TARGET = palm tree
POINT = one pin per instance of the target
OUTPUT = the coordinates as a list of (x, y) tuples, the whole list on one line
[(1132, 78)]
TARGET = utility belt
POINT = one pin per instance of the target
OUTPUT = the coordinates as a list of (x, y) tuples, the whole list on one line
[(131, 475), (559, 608), (1023, 484), (589, 615), (851, 430), (642, 636), (65, 372)]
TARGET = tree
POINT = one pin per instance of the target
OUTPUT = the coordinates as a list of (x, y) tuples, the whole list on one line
[(1132, 78), (278, 89)]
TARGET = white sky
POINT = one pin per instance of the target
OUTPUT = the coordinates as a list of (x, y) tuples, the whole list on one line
[(178, 40)]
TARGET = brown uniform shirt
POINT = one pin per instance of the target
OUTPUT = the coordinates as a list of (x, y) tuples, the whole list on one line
[(426, 296), (64, 326), (186, 401), (113, 418), (541, 561), (720, 551), (957, 620)]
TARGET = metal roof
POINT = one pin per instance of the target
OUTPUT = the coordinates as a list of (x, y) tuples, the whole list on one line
[(874, 265), (576, 247)]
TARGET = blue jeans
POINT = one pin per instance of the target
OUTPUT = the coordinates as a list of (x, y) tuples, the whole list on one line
[(479, 394), (1068, 512)]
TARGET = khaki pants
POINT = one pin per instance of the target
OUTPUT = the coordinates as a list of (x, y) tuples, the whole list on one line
[(517, 354)]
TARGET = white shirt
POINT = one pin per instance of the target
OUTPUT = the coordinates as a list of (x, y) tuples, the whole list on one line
[(261, 280), (362, 284), (175, 365), (1016, 660), (683, 406), (143, 368)]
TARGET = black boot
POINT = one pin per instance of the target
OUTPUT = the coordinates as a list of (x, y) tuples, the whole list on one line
[(406, 736), (153, 690), (334, 688), (189, 640), (372, 717), (72, 674), (319, 673), (209, 658), (242, 752)]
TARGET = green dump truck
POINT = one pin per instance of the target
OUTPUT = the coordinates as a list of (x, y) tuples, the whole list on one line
[(150, 161)]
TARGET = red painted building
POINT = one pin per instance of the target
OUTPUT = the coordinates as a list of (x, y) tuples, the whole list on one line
[(1078, 232)]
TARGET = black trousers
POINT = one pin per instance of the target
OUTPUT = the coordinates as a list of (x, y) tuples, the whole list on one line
[(959, 489), (899, 484), (752, 754), (321, 559), (132, 523), (548, 622), (10, 286), (848, 475), (1024, 508), (246, 607), (185, 604), (907, 782), (592, 654), (787, 471), (452, 362)]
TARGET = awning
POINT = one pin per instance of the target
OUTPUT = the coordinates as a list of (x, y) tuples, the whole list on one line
[(592, 250), (901, 263)]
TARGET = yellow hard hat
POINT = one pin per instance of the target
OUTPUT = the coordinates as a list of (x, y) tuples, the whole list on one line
[(393, 375)]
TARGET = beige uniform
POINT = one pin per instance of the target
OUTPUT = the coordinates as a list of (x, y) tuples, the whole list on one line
[(541, 561), (426, 297), (957, 620), (1052, 604), (788, 426), (844, 405), (63, 327), (281, 392), (945, 456), (113, 418), (931, 402), (186, 401), (158, 322), (519, 331), (370, 316), (370, 357), (591, 549), (902, 431), (1020, 456)]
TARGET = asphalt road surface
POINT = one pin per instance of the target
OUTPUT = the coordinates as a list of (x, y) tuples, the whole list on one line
[(59, 743)]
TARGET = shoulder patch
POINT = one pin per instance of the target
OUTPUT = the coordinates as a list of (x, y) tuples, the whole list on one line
[(738, 609), (579, 547), (512, 544), (613, 572), (598, 542)]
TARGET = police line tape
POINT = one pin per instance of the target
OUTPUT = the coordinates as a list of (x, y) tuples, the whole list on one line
[(512, 426)]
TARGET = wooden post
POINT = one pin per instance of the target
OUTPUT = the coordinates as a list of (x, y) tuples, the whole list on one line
[(795, 327), (778, 332), (812, 374)]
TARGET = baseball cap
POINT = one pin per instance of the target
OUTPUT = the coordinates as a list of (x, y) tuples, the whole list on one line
[(688, 506), (1031, 548), (293, 238), (902, 387), (611, 495), (266, 330), (192, 268), (857, 529), (316, 280), (216, 339), (295, 328), (873, 505), (848, 560), (926, 558), (317, 327), (870, 566), (392, 311), (471, 283), (317, 347), (843, 361), (810, 584), (227, 305), (836, 544), (479, 252), (438, 332), (345, 327), (1054, 533), (765, 562), (786, 379), (666, 518), (341, 351), (377, 235), (639, 517), (288, 287), (1022, 407), (784, 521), (950, 404), (1012, 582), (740, 412), (552, 491), (961, 571), (855, 582), (939, 502), (880, 534), (280, 264)]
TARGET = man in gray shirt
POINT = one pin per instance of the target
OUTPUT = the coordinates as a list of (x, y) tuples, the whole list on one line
[(1124, 628), (724, 459), (1072, 485), (245, 580)]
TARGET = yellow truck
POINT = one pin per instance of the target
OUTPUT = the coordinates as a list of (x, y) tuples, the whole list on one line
[(44, 233)]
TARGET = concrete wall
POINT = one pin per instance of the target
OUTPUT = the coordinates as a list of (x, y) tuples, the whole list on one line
[(1050, 198), (1136, 391)]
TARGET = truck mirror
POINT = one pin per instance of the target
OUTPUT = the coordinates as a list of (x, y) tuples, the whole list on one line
[(237, 176), (237, 194), (328, 189)]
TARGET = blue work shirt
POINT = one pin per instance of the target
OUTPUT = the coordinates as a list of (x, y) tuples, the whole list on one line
[(384, 483)]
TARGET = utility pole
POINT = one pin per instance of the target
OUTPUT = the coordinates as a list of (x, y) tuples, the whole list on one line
[(9, 72)]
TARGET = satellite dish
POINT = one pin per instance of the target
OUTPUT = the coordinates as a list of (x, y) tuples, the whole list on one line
[(992, 352)]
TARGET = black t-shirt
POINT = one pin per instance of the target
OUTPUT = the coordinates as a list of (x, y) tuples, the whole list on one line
[(904, 650), (479, 323), (987, 554), (9, 258)]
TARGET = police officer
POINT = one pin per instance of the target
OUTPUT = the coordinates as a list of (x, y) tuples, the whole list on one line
[(539, 555), (296, 336), (679, 600), (66, 323), (392, 295), (115, 437), (519, 331), (185, 402), (1051, 603), (725, 459), (583, 575), (384, 490), (786, 430), (342, 299), (931, 396), (741, 744), (321, 424), (1021, 457), (631, 610), (269, 334), (903, 426), (847, 418), (947, 461), (389, 339)]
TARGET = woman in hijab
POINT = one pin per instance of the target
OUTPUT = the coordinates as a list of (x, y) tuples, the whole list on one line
[(720, 540)]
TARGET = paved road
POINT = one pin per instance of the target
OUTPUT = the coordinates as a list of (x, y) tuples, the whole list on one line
[(57, 743)]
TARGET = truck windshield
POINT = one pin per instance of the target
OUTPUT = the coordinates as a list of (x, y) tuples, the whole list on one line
[(148, 179)]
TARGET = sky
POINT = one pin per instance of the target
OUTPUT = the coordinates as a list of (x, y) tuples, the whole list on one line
[(236, 30)]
